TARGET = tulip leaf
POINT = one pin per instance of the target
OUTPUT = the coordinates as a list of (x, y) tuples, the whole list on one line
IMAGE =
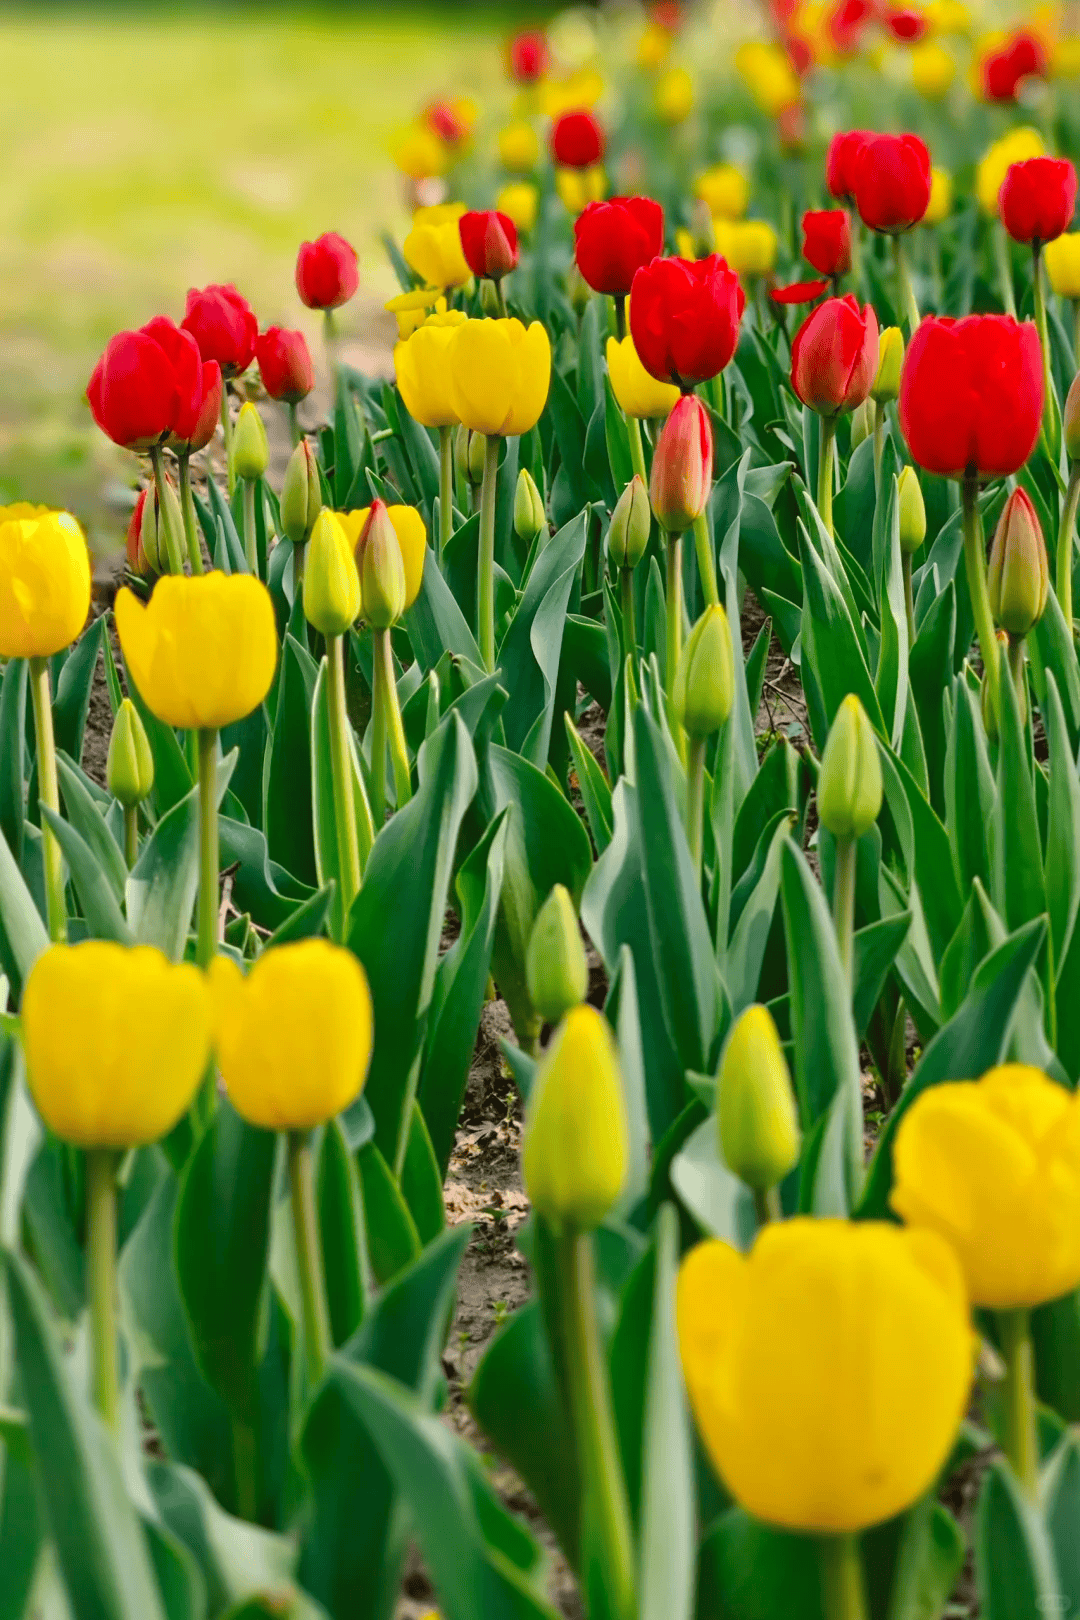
[(528, 657), (616, 439), (308, 921), (22, 1527), (1055, 652), (913, 1562), (322, 816), (164, 882), (876, 948), (930, 862), (929, 671), (287, 814), (173, 780), (422, 1180), (341, 1227), (435, 622), (593, 786), (1018, 887), (1063, 826), (569, 425), (24, 934), (1060, 1488), (721, 1204), (745, 955), (1055, 1330), (100, 907), (1014, 1558), (749, 1571), (71, 705), (88, 821), (12, 755), (389, 1228), (260, 885), (970, 790)]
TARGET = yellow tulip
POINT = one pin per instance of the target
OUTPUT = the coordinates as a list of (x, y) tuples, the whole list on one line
[(411, 532), (828, 1370), (421, 367), (294, 1037), (500, 372), (519, 147), (419, 153), (578, 90), (1062, 258), (331, 582), (116, 1041), (637, 391), (433, 246), (948, 17), (44, 581), (994, 1166), (577, 188), (202, 652), (1065, 58), (768, 75), (685, 245), (941, 194), (673, 97), (654, 46), (1015, 147), (749, 246), (724, 190), (519, 202), (412, 309), (932, 69)]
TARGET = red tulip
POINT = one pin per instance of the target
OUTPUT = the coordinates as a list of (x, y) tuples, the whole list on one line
[(528, 56), (208, 415), (840, 162), (445, 122), (801, 58), (285, 364), (489, 241), (681, 475), (847, 24), (827, 240), (906, 24), (791, 126), (326, 273), (1037, 199), (667, 14), (799, 292), (613, 239), (577, 141), (834, 356), (892, 182), (1004, 71), (684, 318), (147, 384), (971, 395), (223, 324)]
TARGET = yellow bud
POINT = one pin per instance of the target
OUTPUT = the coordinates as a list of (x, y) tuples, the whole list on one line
[(251, 453), (912, 511), (577, 1141), (529, 517), (755, 1105), (411, 532), (890, 359), (705, 679), (381, 570), (331, 583), (628, 534), (862, 423), (1018, 573), (1062, 258), (129, 768), (849, 789), (556, 971), (301, 495)]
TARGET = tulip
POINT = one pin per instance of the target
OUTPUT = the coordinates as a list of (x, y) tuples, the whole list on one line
[(932, 70), (224, 326), (1015, 147), (381, 571), (556, 972), (702, 697), (251, 453), (638, 393), (724, 190), (679, 486), (332, 594), (1037, 199), (390, 544), (421, 364), (301, 499), (769, 76), (420, 153), (326, 272), (576, 1143), (139, 561), (628, 533), (410, 532), (489, 243), (685, 317), (452, 121), (849, 797), (147, 384), (749, 246), (827, 241), (840, 163), (1018, 575), (799, 292), (285, 365), (862, 424), (160, 518), (528, 56), (886, 383), (756, 1115), (612, 240), (521, 203), (673, 96), (530, 520), (519, 147), (912, 533), (208, 413), (1002, 72), (941, 197), (834, 361), (1062, 258), (129, 771), (577, 141), (433, 247), (577, 188)]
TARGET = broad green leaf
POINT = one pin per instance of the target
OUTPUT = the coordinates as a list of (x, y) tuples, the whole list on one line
[(666, 1564), (1060, 1489), (721, 1204), (1063, 826), (749, 1571), (24, 934), (528, 658), (389, 1228), (164, 882), (92, 884), (875, 951), (745, 954), (1018, 888), (71, 704), (622, 1011), (173, 779), (88, 821), (341, 1228), (1014, 1560), (435, 622), (288, 814), (323, 817), (1055, 1330), (970, 790), (12, 755), (422, 1180), (891, 680), (831, 650), (930, 671), (914, 1562)]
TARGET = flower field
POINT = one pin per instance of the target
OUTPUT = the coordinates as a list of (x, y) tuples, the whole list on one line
[(673, 667)]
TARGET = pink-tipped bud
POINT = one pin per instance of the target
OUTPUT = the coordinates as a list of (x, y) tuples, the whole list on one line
[(681, 477), (136, 557), (1018, 575), (381, 569)]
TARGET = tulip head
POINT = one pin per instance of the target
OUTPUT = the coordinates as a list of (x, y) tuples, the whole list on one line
[(410, 532), (137, 559), (1015, 147), (681, 476), (1018, 573), (1037, 199), (489, 243), (724, 190), (684, 317), (705, 678), (576, 1146), (223, 324), (529, 516), (756, 1113), (1062, 259), (433, 247), (834, 356), (152, 526), (628, 533), (827, 240), (285, 364), (381, 571), (849, 791), (748, 245), (301, 495), (892, 182), (912, 511), (326, 272), (955, 376), (886, 384), (556, 971), (421, 364), (519, 201), (613, 239), (129, 767), (44, 581), (636, 390), (251, 453), (331, 582), (499, 374), (519, 147), (1071, 420)]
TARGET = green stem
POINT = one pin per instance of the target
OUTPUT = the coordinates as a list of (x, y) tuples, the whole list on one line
[(674, 610), (227, 429), (342, 777), (705, 560), (1051, 419), (626, 596), (245, 1469), (1016, 662), (329, 335), (1004, 268), (172, 539), (879, 436), (843, 1583), (906, 293), (1020, 1441), (209, 862), (637, 449), (844, 901), (309, 1262), (1065, 545), (695, 798), (101, 1280), (975, 568), (500, 299), (826, 441), (251, 550), (294, 424), (131, 834), (909, 601), (187, 507), (485, 584), (49, 795), (386, 697), (896, 1057), (767, 1205), (446, 489), (620, 315)]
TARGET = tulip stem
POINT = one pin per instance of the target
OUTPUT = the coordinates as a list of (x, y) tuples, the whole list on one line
[(208, 849), (604, 1502), (1004, 268), (637, 450), (1016, 661), (187, 507), (294, 424), (1065, 546), (131, 834), (485, 585), (1051, 419), (172, 539), (101, 1280), (446, 489), (245, 1469), (49, 795), (626, 597), (386, 696), (906, 304), (341, 774), (844, 900), (767, 1205), (674, 610), (1020, 1439), (251, 551), (827, 439), (695, 798), (226, 428), (705, 560), (975, 567), (843, 1583), (309, 1261), (620, 315)]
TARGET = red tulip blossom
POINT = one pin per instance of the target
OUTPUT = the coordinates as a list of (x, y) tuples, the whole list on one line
[(971, 395), (840, 162), (1004, 71), (223, 324), (529, 56), (801, 57), (668, 15), (285, 364), (446, 122), (892, 182), (577, 141), (613, 239), (326, 272), (489, 241), (209, 412), (147, 385), (847, 23), (834, 356), (684, 318), (799, 292), (1037, 199), (682, 466), (827, 240), (906, 24)]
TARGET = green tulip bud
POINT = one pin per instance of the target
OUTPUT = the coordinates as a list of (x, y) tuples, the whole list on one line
[(301, 495), (1072, 420), (529, 518), (251, 453), (862, 423), (477, 452), (756, 1115), (890, 362), (331, 583), (152, 530), (705, 678), (912, 511), (576, 1147), (1018, 574), (461, 454), (381, 569), (129, 767), (556, 971), (628, 534), (849, 788)]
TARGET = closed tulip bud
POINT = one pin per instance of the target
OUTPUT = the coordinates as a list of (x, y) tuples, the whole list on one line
[(251, 453), (849, 787), (576, 1146), (1018, 574), (301, 495), (862, 423), (129, 768), (381, 570), (528, 508), (462, 463), (1072, 420), (556, 971), (137, 559), (331, 581), (681, 476), (410, 532), (631, 521), (886, 384), (152, 530), (912, 512), (705, 679), (477, 451), (756, 1114)]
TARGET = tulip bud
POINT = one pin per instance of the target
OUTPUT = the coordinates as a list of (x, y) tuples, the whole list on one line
[(886, 384), (152, 530), (381, 569), (849, 788), (862, 423), (705, 679), (556, 971), (756, 1114), (1018, 574), (681, 475), (577, 1141), (529, 519), (461, 455), (251, 453), (912, 511), (628, 534), (129, 767), (137, 559), (301, 495), (331, 583), (1072, 420), (477, 452)]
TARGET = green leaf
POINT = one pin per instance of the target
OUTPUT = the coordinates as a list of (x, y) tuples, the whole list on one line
[(1014, 1561), (876, 948), (390, 1230), (99, 905), (341, 1228), (1063, 826), (1055, 1329), (970, 790), (288, 813), (12, 755), (668, 1499), (164, 882), (831, 650), (721, 1204), (436, 624), (173, 780), (1060, 1488), (422, 1181), (924, 1553), (71, 705), (930, 671), (22, 1525), (891, 681), (1019, 890), (24, 932), (745, 955), (88, 821), (529, 655), (308, 921), (749, 1571)]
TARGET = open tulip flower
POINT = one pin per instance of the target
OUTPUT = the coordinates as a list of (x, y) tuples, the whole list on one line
[(827, 241), (499, 374), (433, 248), (224, 326), (613, 239), (684, 318), (955, 374), (44, 581), (637, 391), (147, 385)]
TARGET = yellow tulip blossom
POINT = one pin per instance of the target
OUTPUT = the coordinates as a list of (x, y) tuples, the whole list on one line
[(433, 246), (500, 373), (941, 197), (768, 75), (828, 1370), (994, 1166), (933, 69), (521, 203), (420, 153), (1062, 257), (748, 245), (724, 190), (685, 245), (116, 1041), (575, 1150), (1015, 147), (580, 90), (637, 390), (44, 581), (673, 96), (331, 582), (411, 531), (411, 309), (1065, 58), (654, 46), (202, 651), (579, 187), (420, 365), (294, 1037), (519, 147), (948, 17)]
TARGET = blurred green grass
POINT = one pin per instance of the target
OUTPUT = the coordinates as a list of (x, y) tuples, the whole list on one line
[(146, 153)]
